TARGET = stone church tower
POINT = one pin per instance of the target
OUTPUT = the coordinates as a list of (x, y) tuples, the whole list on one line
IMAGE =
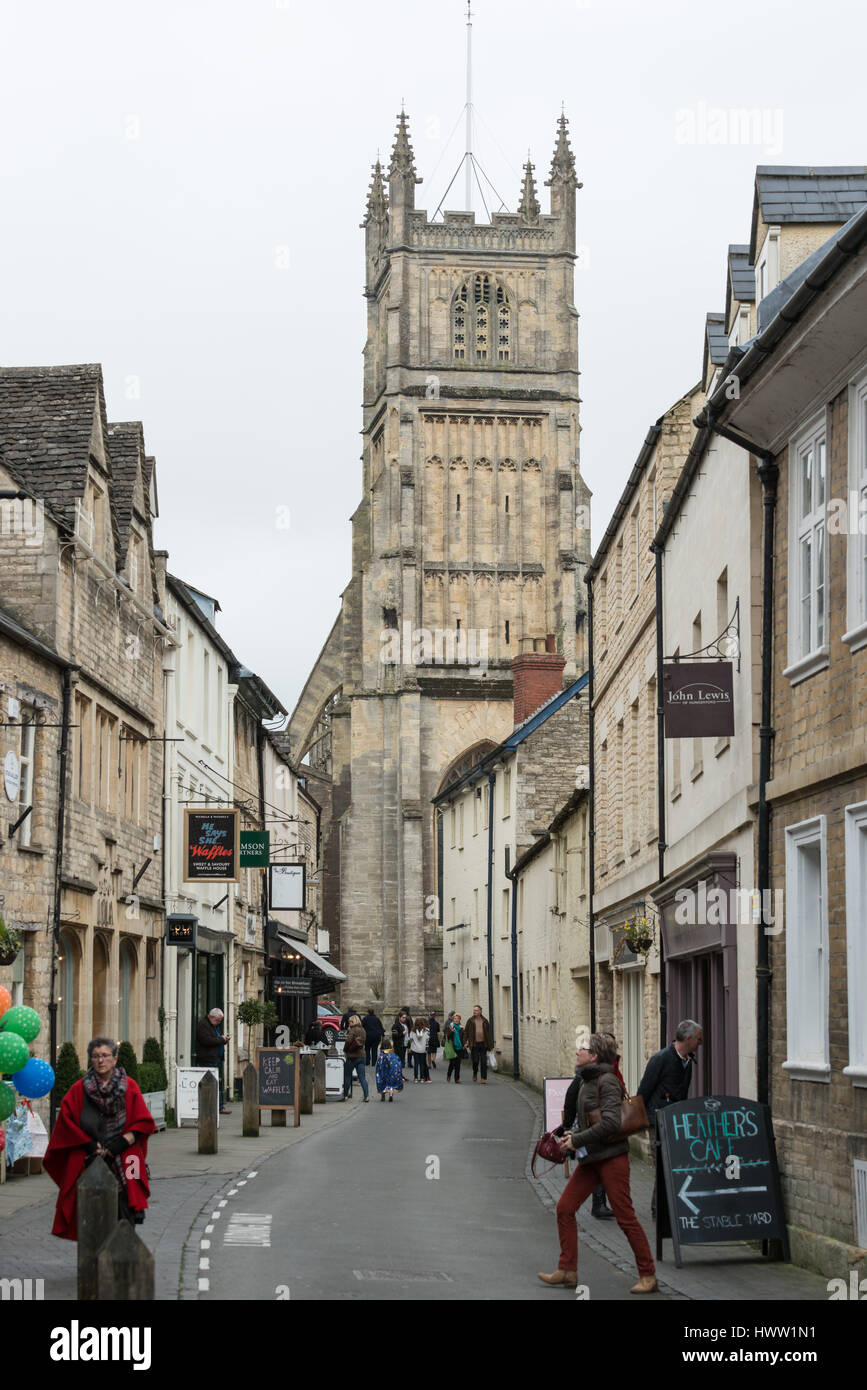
[(469, 548)]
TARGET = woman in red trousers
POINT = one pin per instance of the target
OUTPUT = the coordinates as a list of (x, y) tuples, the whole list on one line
[(102, 1117), (602, 1159)]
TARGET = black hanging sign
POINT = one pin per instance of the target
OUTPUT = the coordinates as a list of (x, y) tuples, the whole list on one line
[(697, 699), (181, 929), (211, 846), (719, 1164)]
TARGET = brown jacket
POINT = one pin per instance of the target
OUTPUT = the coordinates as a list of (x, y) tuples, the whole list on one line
[(355, 1042), (600, 1089), (474, 1033)]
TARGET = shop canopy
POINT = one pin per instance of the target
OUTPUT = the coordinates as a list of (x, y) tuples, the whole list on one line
[(321, 967)]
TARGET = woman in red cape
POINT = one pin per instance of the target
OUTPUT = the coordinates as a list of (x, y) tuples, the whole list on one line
[(104, 1116)]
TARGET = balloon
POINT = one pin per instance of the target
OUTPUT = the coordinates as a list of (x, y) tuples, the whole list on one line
[(7, 1101), (14, 1052), (5, 1000), (23, 1021), (34, 1080)]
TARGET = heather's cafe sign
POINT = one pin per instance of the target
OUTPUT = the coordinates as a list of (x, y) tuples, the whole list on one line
[(697, 699), (211, 846)]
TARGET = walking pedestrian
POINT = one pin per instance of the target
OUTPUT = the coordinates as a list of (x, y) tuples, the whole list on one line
[(418, 1045), (453, 1050), (433, 1044), (374, 1032), (389, 1073), (353, 1054), (102, 1117), (600, 1209), (480, 1040), (210, 1049), (400, 1030), (667, 1077), (602, 1158)]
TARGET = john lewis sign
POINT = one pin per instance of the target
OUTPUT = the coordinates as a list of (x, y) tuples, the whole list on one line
[(697, 699)]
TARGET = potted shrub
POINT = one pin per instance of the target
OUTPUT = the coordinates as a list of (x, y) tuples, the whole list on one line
[(253, 1012), (126, 1058), (10, 944), (153, 1080), (67, 1071)]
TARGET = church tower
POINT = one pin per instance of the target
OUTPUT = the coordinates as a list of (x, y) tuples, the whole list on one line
[(469, 547)]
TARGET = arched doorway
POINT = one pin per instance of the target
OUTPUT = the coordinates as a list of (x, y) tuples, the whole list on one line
[(69, 972), (128, 963)]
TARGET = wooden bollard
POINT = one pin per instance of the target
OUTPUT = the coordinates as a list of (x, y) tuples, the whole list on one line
[(97, 1218), (209, 1092), (125, 1267), (250, 1113), (305, 1083), (319, 1096)]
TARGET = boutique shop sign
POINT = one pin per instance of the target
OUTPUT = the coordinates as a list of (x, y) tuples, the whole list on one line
[(697, 699), (211, 846)]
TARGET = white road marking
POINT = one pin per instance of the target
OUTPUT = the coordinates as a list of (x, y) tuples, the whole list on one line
[(242, 1182), (253, 1175), (204, 1285), (233, 1193), (205, 1244), (204, 1263), (223, 1203), (252, 1228), (215, 1216), (208, 1229)]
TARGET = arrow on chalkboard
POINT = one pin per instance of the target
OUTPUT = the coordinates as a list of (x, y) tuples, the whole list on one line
[(712, 1192)]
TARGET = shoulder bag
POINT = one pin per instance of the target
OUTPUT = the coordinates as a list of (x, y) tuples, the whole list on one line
[(633, 1116)]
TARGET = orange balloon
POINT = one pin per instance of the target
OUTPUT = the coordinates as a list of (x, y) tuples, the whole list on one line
[(5, 1000)]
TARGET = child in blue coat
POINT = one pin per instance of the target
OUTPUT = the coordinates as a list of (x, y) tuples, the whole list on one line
[(389, 1073)]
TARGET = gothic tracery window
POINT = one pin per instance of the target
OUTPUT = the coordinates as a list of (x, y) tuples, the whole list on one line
[(481, 321)]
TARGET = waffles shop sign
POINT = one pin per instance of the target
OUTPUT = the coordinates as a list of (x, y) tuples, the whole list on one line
[(211, 846), (697, 699)]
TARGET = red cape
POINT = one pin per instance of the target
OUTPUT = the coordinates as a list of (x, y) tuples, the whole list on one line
[(64, 1157)]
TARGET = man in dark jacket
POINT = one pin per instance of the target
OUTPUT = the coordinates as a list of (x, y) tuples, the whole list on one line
[(210, 1049), (479, 1039), (433, 1025), (374, 1032), (667, 1077)]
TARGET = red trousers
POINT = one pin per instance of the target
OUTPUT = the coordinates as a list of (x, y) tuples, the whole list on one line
[(613, 1174)]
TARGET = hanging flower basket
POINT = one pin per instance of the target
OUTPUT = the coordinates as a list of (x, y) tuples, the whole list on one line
[(638, 934), (10, 944)]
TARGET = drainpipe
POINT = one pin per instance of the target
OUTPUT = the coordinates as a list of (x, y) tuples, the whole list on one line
[(769, 474), (591, 834), (516, 1066), (491, 780), (660, 788), (58, 877)]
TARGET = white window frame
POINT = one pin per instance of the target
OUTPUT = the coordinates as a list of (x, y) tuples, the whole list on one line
[(26, 760), (802, 664), (807, 959), (856, 541), (855, 821)]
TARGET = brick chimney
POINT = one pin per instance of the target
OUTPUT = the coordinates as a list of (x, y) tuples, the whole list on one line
[(536, 676)]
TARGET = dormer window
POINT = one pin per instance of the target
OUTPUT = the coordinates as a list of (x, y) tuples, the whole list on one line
[(481, 322)]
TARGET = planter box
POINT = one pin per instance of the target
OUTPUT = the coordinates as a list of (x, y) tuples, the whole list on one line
[(156, 1104)]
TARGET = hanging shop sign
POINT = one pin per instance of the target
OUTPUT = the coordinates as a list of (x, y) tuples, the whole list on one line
[(697, 699), (255, 849), (287, 887), (11, 775), (181, 930), (211, 846)]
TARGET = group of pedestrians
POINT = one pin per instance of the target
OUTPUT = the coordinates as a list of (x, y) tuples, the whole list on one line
[(470, 1041), (415, 1042)]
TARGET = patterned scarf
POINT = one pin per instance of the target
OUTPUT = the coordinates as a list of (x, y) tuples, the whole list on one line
[(109, 1098)]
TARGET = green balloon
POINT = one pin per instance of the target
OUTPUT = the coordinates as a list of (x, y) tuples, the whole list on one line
[(7, 1102), (14, 1052), (23, 1021)]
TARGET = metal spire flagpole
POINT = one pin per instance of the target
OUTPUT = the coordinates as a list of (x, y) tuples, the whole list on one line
[(468, 155)]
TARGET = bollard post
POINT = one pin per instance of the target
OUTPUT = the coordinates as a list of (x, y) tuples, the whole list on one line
[(209, 1092), (319, 1078), (250, 1112), (125, 1267), (305, 1083), (96, 1206)]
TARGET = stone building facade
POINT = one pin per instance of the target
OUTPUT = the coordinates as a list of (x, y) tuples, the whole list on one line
[(801, 409), (88, 592), (469, 539)]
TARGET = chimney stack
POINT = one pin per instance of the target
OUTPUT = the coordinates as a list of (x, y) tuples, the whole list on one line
[(536, 676)]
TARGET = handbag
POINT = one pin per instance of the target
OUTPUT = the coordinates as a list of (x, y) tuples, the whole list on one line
[(633, 1116), (548, 1150)]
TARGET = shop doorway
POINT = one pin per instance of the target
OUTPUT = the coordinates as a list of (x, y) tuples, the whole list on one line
[(209, 989)]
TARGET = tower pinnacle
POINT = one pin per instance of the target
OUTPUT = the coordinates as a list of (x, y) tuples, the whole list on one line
[(563, 163), (529, 207), (377, 198), (402, 158)]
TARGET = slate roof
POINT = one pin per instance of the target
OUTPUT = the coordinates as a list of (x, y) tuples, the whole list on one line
[(742, 276), (716, 340), (126, 441), (800, 193), (46, 424)]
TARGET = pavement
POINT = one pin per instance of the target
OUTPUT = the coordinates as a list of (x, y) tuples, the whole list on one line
[(429, 1197)]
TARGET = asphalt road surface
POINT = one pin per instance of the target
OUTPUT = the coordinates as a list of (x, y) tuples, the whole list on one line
[(423, 1198)]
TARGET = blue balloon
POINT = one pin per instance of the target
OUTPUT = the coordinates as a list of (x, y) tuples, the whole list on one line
[(34, 1080)]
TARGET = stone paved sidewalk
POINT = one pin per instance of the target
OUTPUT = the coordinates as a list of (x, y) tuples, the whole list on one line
[(183, 1183), (715, 1272)]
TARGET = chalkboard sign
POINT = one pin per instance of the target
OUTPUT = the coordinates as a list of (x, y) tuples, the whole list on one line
[(277, 1069), (719, 1166)]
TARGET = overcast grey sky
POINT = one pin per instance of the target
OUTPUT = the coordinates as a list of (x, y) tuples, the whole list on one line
[(182, 183)]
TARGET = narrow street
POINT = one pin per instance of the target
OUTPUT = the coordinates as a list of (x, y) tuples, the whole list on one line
[(352, 1214)]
